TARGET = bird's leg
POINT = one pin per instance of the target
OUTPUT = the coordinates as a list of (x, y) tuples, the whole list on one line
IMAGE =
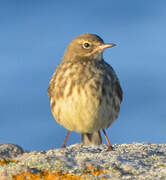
[(66, 138), (110, 148)]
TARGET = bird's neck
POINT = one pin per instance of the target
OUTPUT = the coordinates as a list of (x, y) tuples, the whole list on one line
[(93, 57)]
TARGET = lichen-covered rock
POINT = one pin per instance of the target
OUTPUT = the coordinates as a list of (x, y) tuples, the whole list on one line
[(128, 161), (9, 151)]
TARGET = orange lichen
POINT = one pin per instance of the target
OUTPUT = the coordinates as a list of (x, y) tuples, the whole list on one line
[(93, 170), (48, 175), (4, 161), (45, 175)]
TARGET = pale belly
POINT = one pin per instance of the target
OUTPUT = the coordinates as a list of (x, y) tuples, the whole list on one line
[(85, 113)]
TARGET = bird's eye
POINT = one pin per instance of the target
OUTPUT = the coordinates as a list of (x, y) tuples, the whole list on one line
[(86, 45)]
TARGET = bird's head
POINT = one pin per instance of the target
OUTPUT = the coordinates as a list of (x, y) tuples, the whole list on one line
[(86, 46)]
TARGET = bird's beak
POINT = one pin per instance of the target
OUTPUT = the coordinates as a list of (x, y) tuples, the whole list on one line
[(104, 46)]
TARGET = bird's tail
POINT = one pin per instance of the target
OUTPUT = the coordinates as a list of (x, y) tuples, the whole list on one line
[(91, 138)]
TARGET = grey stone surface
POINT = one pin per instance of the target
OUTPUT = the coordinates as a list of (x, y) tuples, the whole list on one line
[(127, 161), (10, 151)]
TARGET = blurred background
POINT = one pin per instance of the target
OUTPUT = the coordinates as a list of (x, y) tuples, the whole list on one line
[(33, 38)]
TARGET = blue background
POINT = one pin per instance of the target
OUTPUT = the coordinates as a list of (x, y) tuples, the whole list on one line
[(33, 37)]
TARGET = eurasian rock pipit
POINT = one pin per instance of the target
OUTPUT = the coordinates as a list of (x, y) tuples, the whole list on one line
[(85, 93)]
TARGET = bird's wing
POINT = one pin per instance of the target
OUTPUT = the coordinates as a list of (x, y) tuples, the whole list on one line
[(115, 81)]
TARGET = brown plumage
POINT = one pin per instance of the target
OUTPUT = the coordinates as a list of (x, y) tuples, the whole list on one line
[(85, 93)]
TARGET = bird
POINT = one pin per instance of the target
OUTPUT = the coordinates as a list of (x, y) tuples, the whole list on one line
[(84, 91)]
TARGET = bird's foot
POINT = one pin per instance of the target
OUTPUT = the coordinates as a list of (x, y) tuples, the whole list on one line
[(63, 146), (110, 148)]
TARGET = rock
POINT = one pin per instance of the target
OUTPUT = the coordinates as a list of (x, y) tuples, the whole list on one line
[(9, 151), (135, 161)]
